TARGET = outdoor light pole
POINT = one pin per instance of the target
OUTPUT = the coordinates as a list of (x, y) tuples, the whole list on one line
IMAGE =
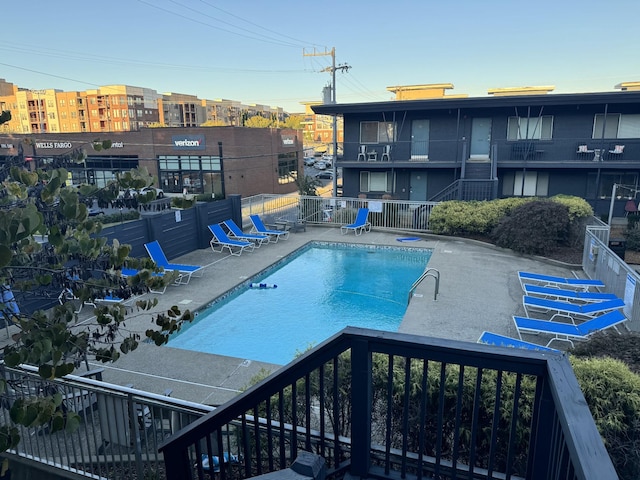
[(613, 198), (333, 68)]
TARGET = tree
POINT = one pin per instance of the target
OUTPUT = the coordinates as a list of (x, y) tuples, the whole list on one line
[(307, 185), (214, 123), (257, 122), (76, 258), (5, 116), (294, 122)]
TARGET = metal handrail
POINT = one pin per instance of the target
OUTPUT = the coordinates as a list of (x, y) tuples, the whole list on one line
[(429, 272)]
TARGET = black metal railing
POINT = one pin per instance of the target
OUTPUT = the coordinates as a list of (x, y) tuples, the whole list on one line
[(379, 404), (579, 149)]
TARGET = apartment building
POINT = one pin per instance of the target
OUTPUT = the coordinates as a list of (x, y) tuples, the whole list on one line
[(513, 142), (119, 108)]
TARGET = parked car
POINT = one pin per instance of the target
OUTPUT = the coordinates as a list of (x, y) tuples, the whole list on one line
[(309, 161), (320, 165), (327, 174), (159, 191)]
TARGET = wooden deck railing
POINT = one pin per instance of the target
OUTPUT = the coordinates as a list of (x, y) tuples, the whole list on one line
[(382, 404)]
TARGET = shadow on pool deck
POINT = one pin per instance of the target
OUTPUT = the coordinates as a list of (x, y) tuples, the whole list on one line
[(479, 290)]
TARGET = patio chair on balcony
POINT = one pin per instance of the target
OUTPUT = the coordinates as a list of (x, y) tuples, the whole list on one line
[(386, 154), (566, 331), (362, 154), (630, 207), (616, 152)]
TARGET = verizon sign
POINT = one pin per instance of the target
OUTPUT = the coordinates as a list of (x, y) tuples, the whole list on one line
[(188, 142), (288, 140)]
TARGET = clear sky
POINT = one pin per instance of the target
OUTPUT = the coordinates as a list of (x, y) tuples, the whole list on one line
[(252, 51)]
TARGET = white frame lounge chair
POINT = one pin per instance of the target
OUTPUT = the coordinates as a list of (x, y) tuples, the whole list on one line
[(360, 224), (553, 293), (237, 234), (567, 332), (573, 311), (185, 271), (130, 272), (221, 240), (549, 280), (497, 340), (259, 227)]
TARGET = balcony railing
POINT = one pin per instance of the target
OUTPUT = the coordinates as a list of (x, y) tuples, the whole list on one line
[(119, 431), (386, 405), (538, 150)]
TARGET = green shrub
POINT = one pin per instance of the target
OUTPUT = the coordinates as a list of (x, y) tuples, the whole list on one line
[(482, 217), (633, 239), (535, 228), (578, 207), (612, 392)]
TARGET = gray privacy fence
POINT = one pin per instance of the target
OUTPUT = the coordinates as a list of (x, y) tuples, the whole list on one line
[(602, 263)]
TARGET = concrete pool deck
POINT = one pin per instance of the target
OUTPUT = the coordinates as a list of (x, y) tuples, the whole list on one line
[(479, 290)]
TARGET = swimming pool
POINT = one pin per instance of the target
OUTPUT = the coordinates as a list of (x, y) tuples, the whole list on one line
[(319, 291)]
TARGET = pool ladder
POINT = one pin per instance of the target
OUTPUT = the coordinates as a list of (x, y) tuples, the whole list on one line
[(429, 272)]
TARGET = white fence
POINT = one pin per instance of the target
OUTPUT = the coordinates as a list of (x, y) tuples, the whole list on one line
[(386, 214)]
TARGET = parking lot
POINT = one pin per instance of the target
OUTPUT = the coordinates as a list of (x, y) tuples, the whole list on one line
[(320, 169)]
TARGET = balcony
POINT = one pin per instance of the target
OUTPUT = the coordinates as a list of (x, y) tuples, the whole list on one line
[(385, 405), (555, 152)]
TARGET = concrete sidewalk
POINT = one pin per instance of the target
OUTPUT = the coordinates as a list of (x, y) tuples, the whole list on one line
[(478, 290)]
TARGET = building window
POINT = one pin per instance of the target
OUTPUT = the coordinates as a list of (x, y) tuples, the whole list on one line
[(616, 126), (377, 132), (62, 102), (533, 128), (287, 167), (72, 102), (531, 184), (628, 180), (375, 182)]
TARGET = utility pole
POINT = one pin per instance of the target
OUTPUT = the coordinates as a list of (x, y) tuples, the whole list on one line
[(332, 69)]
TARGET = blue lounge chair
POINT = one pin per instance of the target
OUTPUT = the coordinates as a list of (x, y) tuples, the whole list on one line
[(214, 466), (130, 272), (549, 280), (220, 241), (501, 341), (237, 233), (185, 271), (67, 294), (560, 293), (566, 331), (259, 227), (573, 311), (9, 308), (361, 224)]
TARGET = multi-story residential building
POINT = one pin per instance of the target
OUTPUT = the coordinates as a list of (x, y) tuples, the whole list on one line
[(119, 108), (318, 129), (514, 142)]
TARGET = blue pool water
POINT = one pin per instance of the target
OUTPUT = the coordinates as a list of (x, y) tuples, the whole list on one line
[(319, 292)]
